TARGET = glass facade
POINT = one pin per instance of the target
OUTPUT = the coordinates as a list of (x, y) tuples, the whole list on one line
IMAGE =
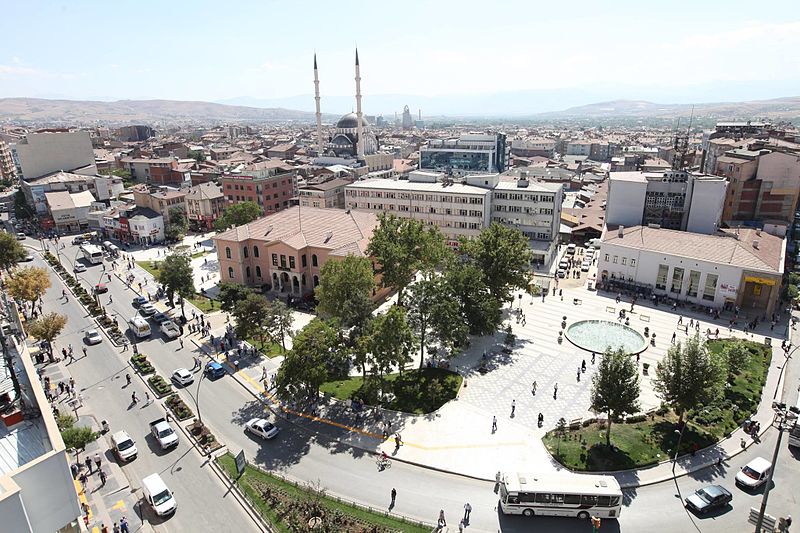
[(446, 160)]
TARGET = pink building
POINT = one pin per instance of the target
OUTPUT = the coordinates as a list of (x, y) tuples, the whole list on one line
[(286, 250)]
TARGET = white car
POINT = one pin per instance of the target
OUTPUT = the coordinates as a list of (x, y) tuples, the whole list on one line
[(754, 474), (147, 309), (80, 267), (182, 377), (262, 428), (92, 336), (585, 266), (561, 273), (123, 446), (170, 329)]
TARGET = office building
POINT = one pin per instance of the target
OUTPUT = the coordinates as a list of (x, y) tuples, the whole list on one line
[(472, 153), (270, 190), (204, 205), (48, 151)]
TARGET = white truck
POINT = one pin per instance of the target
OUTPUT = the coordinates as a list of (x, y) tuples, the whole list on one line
[(170, 329), (163, 433)]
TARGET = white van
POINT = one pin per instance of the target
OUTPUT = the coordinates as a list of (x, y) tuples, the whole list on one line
[(571, 249), (158, 495), (139, 326), (754, 474)]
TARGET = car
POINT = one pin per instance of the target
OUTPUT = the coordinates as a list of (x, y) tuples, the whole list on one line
[(21, 236), (77, 240), (182, 377), (28, 257), (170, 329), (708, 498), (754, 474), (147, 309), (586, 266), (124, 446), (161, 317), (92, 336), (589, 252), (563, 264), (561, 273), (214, 370), (139, 300), (261, 427), (100, 288), (80, 267)]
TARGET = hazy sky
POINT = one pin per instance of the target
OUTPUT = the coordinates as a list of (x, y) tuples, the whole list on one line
[(202, 50)]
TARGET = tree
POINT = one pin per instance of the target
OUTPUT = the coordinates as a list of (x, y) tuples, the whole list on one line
[(391, 341), (178, 224), (344, 290), (504, 256), (21, 208), (11, 251), (238, 214), (232, 293), (305, 367), (197, 155), (47, 328), (77, 438), (252, 317), (480, 309), (434, 312), (401, 247), (615, 387), (689, 376), (737, 356), (28, 284), (175, 274), (280, 321)]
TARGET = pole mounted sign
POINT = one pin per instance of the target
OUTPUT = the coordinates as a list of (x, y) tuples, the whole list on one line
[(241, 462)]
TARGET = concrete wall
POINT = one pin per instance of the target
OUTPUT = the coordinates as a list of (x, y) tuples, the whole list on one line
[(625, 202), (45, 153), (707, 202)]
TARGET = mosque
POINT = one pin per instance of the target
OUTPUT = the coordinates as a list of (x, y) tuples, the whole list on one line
[(353, 136)]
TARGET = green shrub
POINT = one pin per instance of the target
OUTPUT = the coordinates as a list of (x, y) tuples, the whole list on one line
[(160, 385)]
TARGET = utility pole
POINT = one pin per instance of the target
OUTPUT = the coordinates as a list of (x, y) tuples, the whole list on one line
[(782, 415)]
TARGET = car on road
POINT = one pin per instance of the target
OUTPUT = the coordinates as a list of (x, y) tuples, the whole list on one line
[(77, 240), (754, 474), (123, 446), (147, 309), (709, 498), (170, 329), (561, 273), (92, 336), (182, 377), (139, 300), (100, 288), (161, 317), (163, 433), (261, 427), (21, 236), (80, 267), (28, 257), (585, 266), (214, 370)]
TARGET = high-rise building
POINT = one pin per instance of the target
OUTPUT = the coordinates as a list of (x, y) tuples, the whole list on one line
[(408, 122), (45, 152), (8, 170), (472, 153)]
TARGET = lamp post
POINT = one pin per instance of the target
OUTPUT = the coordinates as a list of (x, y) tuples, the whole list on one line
[(782, 416), (678, 447), (196, 395)]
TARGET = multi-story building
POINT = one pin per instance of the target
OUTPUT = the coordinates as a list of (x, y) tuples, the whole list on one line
[(130, 223), (533, 147), (156, 171), (472, 153), (103, 187), (48, 151), (286, 251), (579, 147), (273, 192), (671, 199), (328, 194), (8, 170), (204, 205), (68, 212), (159, 199)]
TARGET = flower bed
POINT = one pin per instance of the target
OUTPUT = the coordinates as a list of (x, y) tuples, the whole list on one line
[(200, 433), (160, 386), (142, 365), (178, 408)]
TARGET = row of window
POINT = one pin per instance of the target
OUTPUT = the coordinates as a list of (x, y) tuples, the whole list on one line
[(564, 499), (520, 209), (523, 196), (276, 260), (693, 285), (625, 260), (439, 198)]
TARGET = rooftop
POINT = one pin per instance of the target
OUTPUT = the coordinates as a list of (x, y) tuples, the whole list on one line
[(66, 200), (205, 191), (403, 185)]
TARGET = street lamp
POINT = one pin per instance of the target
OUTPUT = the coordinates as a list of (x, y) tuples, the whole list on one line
[(783, 417), (196, 395), (678, 447)]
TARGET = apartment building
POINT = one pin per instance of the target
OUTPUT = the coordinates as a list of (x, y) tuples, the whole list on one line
[(156, 171), (272, 191), (159, 199), (8, 170), (328, 194), (204, 205), (48, 151), (472, 153)]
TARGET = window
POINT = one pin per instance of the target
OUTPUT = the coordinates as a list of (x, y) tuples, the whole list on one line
[(247, 270), (303, 260), (283, 261), (543, 497), (710, 288), (316, 280), (661, 278), (588, 500), (677, 280), (633, 262), (291, 262), (230, 272), (274, 259), (258, 271), (572, 499), (604, 501), (313, 260), (615, 260), (624, 260), (245, 252), (607, 256), (694, 283), (255, 251), (227, 252)]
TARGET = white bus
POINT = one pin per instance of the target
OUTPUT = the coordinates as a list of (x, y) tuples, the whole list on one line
[(92, 253), (560, 494), (794, 432), (139, 326)]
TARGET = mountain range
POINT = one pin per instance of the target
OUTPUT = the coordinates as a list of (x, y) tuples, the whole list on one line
[(160, 112)]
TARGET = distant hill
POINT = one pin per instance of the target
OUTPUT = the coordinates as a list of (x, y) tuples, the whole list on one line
[(75, 112)]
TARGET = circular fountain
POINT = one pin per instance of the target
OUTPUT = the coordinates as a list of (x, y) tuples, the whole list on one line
[(599, 335)]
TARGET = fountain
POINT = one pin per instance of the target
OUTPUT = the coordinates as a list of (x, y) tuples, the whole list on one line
[(598, 335)]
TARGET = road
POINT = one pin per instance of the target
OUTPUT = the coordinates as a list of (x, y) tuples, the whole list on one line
[(344, 471)]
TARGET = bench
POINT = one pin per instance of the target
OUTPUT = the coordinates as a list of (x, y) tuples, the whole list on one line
[(577, 301), (645, 318), (575, 423), (610, 309)]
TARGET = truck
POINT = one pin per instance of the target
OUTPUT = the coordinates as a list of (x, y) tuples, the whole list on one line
[(163, 433), (170, 329)]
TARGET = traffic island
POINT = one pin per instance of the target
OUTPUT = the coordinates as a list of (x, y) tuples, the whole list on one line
[(160, 386), (202, 435), (178, 408), (288, 506), (142, 365)]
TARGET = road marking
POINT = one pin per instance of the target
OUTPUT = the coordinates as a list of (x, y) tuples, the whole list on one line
[(119, 505), (82, 496)]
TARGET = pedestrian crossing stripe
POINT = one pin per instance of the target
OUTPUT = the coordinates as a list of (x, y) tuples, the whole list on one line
[(119, 505)]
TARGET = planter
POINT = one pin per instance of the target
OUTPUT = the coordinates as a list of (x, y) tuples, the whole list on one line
[(142, 365), (160, 386), (178, 408)]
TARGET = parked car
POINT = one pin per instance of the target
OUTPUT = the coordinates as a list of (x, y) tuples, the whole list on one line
[(161, 317), (77, 240), (80, 267), (28, 257), (92, 336), (147, 309), (170, 329), (214, 370), (754, 474), (561, 273), (709, 498), (100, 288), (123, 446), (139, 300), (21, 236), (163, 433), (182, 377), (261, 428)]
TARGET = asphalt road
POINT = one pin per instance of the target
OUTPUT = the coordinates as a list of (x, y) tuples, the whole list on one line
[(350, 473)]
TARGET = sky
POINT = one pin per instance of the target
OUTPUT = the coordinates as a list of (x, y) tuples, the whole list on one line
[(678, 52)]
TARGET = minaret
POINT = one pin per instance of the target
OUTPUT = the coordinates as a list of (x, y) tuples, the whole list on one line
[(359, 127), (319, 114)]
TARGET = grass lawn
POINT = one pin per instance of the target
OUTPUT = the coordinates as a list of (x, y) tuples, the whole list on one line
[(204, 303), (280, 503), (652, 440), (412, 392), (150, 266), (270, 349)]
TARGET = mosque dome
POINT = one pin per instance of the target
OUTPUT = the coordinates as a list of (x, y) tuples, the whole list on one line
[(350, 120)]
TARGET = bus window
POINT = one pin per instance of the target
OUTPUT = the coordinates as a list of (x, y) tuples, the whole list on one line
[(557, 498), (542, 497), (614, 501), (526, 497), (572, 499), (604, 501), (589, 500)]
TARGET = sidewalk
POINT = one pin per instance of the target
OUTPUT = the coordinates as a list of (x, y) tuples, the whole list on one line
[(107, 503)]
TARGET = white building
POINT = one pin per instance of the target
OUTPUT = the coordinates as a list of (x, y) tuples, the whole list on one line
[(741, 268), (69, 211), (48, 152), (146, 226), (671, 199)]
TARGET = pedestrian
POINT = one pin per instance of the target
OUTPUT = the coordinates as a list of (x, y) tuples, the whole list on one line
[(467, 511), (88, 462), (394, 495), (461, 527), (134, 399), (64, 353), (97, 460), (71, 383), (181, 341), (103, 528), (579, 373), (494, 424), (70, 349), (680, 320), (442, 522), (84, 351), (115, 528), (84, 479), (555, 391), (123, 526), (533, 387), (147, 398), (593, 355), (513, 407), (110, 299), (102, 478), (673, 337)]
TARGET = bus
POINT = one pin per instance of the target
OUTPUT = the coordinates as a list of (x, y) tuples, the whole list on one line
[(560, 494), (139, 326), (92, 253), (794, 431)]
